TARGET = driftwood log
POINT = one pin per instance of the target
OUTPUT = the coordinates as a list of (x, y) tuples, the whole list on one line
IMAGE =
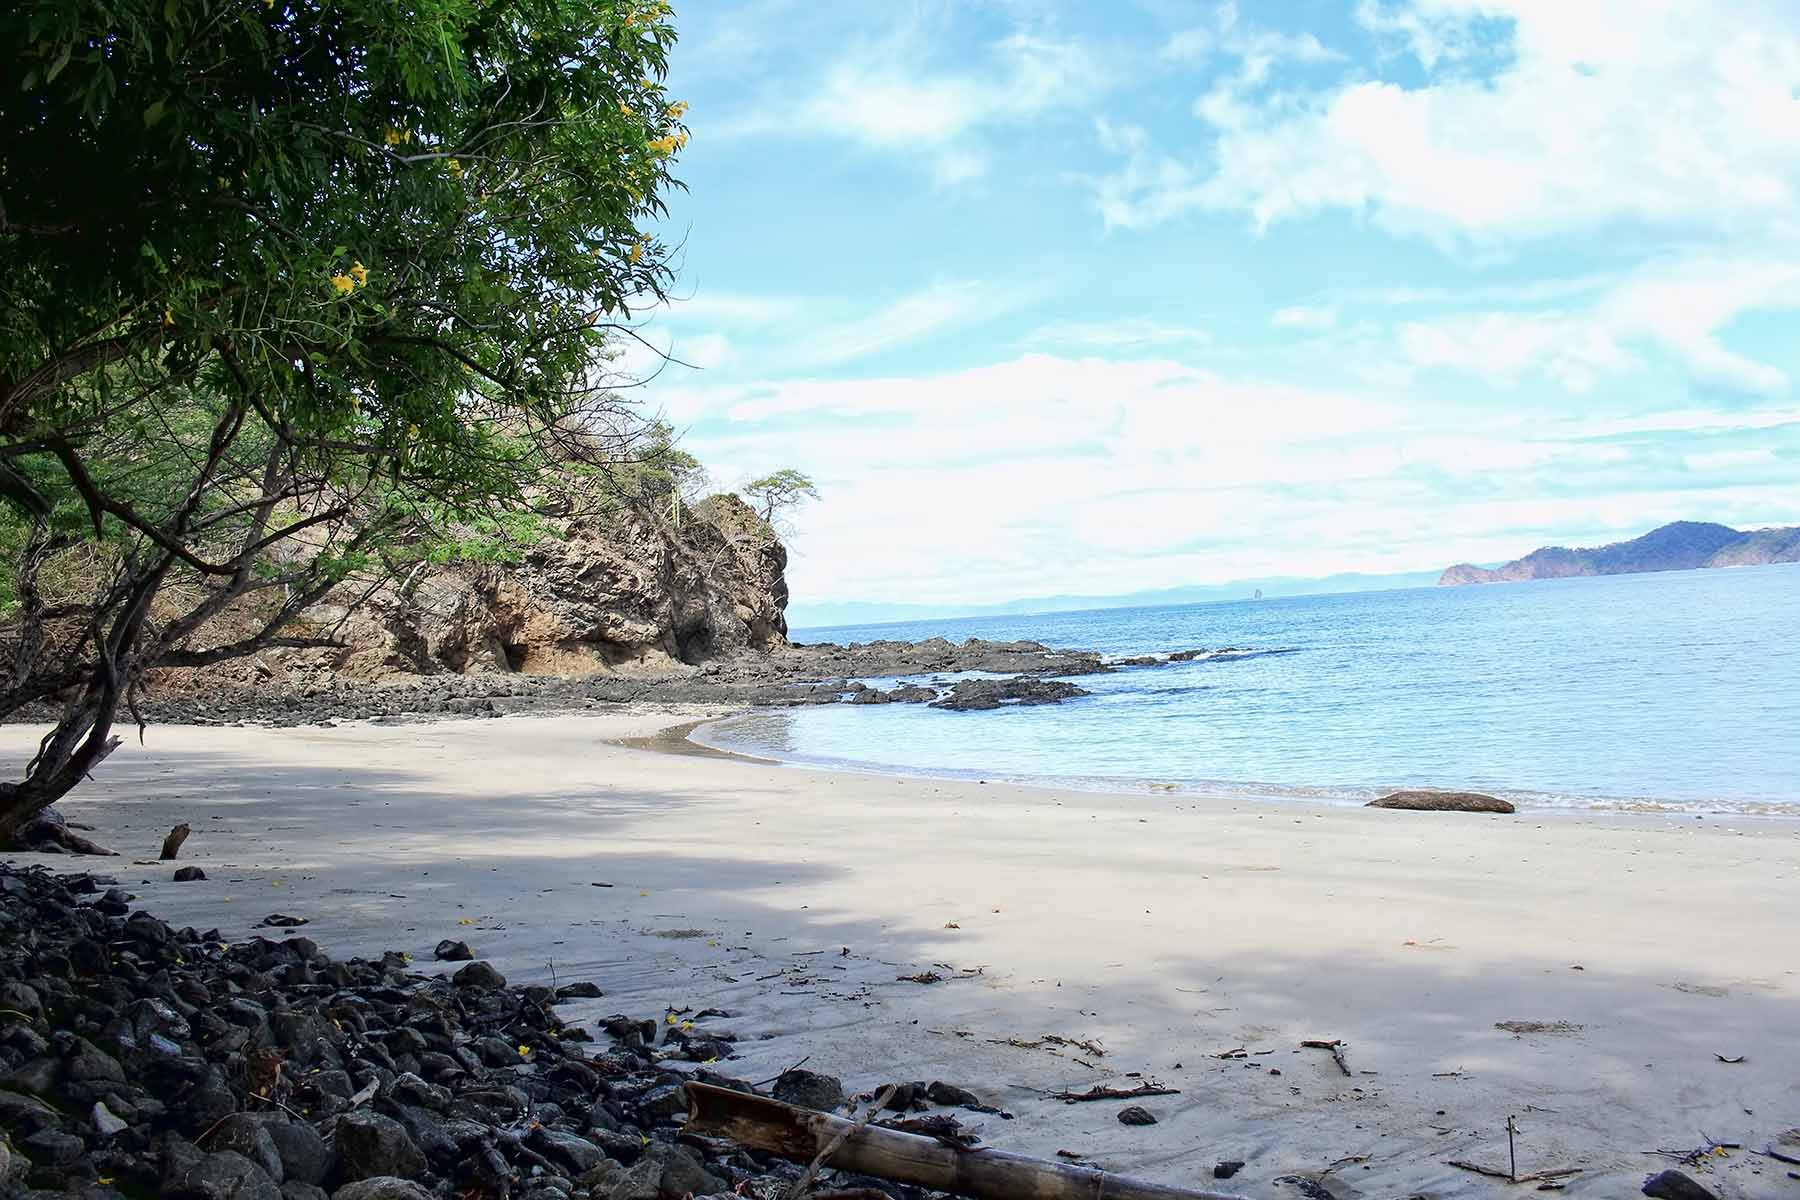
[(800, 1135), (172, 843)]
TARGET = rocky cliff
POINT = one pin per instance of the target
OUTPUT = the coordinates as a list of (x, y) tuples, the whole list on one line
[(630, 595), (1681, 546)]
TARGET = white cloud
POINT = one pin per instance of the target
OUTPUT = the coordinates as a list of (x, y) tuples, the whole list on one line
[(1681, 308), (1301, 316), (905, 320), (1065, 472), (1129, 333), (1679, 112)]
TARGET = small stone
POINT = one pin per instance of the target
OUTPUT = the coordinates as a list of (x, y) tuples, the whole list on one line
[(106, 1122), (305, 1158), (249, 1137), (48, 1148), (479, 975), (381, 1187), (640, 1181), (1136, 1114), (453, 951), (1673, 1185), (809, 1089), (189, 875), (373, 1146), (1226, 1168), (586, 989)]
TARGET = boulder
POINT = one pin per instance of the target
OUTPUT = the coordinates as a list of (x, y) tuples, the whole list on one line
[(381, 1187), (305, 1158), (191, 1174), (969, 695), (1433, 801), (244, 1134), (373, 1146), (450, 950), (480, 975), (809, 1089), (1673, 1185)]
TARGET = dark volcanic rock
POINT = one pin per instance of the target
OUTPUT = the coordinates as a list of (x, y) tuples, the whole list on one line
[(480, 975), (449, 950), (972, 694), (382, 1187), (1673, 1185), (1136, 1114), (372, 1145), (1429, 801), (809, 1089), (189, 875)]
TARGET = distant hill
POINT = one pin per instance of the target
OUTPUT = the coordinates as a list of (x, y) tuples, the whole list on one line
[(1680, 546)]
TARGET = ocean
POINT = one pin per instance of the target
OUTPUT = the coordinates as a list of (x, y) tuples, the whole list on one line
[(1675, 691)]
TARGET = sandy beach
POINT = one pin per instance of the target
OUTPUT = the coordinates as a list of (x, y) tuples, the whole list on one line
[(1584, 973)]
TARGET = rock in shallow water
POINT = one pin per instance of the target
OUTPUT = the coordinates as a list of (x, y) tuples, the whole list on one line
[(1431, 801)]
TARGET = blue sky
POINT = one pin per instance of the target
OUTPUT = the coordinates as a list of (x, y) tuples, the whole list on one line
[(1070, 297)]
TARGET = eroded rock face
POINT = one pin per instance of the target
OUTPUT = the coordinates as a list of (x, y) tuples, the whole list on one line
[(630, 595), (974, 694)]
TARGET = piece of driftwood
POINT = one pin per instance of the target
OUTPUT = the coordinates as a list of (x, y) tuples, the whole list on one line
[(799, 1135), (172, 843), (1502, 1173), (1335, 1045), (1111, 1093)]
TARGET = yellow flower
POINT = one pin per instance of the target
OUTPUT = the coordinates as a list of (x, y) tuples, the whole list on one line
[(391, 137), (637, 251), (524, 1051), (624, 108), (455, 167), (168, 316), (344, 284), (664, 145), (676, 109), (360, 273)]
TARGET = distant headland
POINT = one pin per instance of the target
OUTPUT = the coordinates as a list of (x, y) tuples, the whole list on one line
[(1678, 546)]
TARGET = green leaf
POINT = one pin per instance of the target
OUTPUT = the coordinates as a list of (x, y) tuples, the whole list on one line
[(62, 61), (153, 114)]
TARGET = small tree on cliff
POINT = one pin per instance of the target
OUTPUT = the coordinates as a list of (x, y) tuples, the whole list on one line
[(284, 288), (784, 489)]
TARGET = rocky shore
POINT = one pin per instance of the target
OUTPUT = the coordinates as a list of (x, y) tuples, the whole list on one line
[(138, 1059), (1031, 673)]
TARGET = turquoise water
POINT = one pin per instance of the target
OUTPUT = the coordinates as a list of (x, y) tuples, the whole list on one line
[(1677, 690)]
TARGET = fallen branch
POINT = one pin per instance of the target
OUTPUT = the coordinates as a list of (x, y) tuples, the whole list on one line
[(1335, 1045), (799, 1135), (1502, 1173), (1098, 1092), (1778, 1156)]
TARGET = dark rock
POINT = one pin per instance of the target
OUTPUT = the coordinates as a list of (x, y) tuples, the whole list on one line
[(1430, 801), (480, 975), (189, 875), (640, 1181), (193, 1175), (969, 695), (683, 1172), (577, 1154), (293, 1189), (244, 1134), (1226, 1168), (372, 1145), (583, 990), (453, 951), (809, 1089), (667, 1100), (106, 1122), (382, 1187), (305, 1158), (22, 1114), (1673, 1185), (48, 1147), (1136, 1114)]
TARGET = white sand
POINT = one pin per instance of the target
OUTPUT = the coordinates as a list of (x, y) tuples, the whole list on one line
[(1166, 930)]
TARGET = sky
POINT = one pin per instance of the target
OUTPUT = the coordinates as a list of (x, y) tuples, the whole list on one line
[(1063, 297)]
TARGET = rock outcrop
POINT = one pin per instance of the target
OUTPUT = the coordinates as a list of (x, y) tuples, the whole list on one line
[(1681, 546), (632, 595), (1430, 801)]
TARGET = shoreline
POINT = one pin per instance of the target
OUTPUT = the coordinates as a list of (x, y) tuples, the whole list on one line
[(1216, 791), (1165, 930)]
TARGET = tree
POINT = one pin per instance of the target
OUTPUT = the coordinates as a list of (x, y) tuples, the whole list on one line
[(289, 293), (784, 488)]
